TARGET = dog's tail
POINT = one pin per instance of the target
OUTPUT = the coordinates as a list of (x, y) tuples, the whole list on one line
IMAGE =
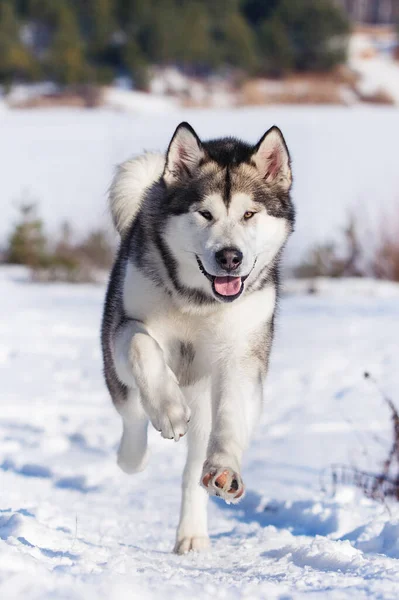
[(131, 180)]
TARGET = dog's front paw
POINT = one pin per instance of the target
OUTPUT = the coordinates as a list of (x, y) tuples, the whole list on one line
[(172, 415), (223, 482), (195, 543), (173, 420)]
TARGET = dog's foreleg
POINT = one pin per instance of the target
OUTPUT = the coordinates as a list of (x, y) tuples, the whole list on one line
[(140, 364), (192, 532), (236, 404)]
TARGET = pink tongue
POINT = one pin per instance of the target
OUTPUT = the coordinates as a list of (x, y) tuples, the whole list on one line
[(227, 286)]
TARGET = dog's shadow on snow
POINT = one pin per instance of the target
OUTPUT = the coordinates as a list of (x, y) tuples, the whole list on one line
[(75, 483), (300, 517)]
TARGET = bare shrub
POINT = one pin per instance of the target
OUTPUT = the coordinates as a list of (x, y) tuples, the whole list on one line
[(333, 259), (94, 251), (97, 250), (378, 486), (385, 263), (355, 256)]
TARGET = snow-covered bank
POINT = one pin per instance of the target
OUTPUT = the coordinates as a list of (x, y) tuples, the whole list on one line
[(73, 527), (343, 159), (371, 58), (339, 287)]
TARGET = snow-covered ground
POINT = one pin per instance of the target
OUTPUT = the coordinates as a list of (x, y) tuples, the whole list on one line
[(378, 75), (72, 526), (344, 159), (371, 57)]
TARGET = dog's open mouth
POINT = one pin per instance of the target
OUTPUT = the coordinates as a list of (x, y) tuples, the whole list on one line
[(227, 288)]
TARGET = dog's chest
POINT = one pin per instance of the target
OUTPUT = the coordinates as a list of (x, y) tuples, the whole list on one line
[(186, 341)]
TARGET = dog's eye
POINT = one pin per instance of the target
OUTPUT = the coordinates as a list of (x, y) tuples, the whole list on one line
[(206, 214), (248, 215)]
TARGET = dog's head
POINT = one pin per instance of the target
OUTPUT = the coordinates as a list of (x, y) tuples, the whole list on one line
[(228, 210)]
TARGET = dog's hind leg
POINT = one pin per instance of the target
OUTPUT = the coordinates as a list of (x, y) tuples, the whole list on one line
[(192, 532), (133, 449)]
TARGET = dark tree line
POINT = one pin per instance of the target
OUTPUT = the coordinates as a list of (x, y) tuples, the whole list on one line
[(74, 41)]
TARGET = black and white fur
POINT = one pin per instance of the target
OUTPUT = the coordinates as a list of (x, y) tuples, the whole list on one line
[(180, 350)]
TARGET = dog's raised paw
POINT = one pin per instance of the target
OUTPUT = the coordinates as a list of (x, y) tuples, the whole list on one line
[(223, 482), (173, 421), (170, 413), (188, 544)]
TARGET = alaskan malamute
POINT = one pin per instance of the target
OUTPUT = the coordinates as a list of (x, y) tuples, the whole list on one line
[(189, 312)]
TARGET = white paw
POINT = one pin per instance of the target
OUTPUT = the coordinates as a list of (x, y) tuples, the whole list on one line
[(223, 482), (195, 543), (172, 415)]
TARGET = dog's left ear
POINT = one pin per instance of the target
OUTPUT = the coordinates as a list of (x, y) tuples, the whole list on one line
[(272, 159), (184, 154)]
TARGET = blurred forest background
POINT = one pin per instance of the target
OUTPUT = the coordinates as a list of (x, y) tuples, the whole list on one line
[(79, 41)]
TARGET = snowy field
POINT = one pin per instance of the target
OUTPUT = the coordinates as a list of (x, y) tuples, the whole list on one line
[(344, 159), (73, 527)]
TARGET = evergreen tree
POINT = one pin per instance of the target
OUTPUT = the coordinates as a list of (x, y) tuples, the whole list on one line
[(194, 50), (164, 39), (103, 23), (15, 60), (219, 10), (100, 24), (314, 32), (67, 56), (27, 244), (256, 12), (240, 43), (275, 42), (135, 13), (135, 63), (41, 10)]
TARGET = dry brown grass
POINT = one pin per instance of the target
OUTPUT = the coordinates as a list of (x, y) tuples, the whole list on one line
[(84, 96), (298, 89), (379, 97), (333, 259), (353, 257), (346, 75), (385, 264)]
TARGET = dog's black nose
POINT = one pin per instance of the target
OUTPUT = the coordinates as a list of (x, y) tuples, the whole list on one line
[(229, 259)]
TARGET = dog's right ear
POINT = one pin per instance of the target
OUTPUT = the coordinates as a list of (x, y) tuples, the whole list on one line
[(184, 154), (272, 159)]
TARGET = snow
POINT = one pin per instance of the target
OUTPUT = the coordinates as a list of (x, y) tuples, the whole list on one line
[(339, 287), (137, 102), (379, 74), (65, 160), (371, 56), (168, 80), (21, 93), (72, 526)]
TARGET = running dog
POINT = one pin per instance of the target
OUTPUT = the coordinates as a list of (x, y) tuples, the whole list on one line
[(190, 307)]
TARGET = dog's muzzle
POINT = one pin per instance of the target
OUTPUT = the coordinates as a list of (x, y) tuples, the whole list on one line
[(227, 288)]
